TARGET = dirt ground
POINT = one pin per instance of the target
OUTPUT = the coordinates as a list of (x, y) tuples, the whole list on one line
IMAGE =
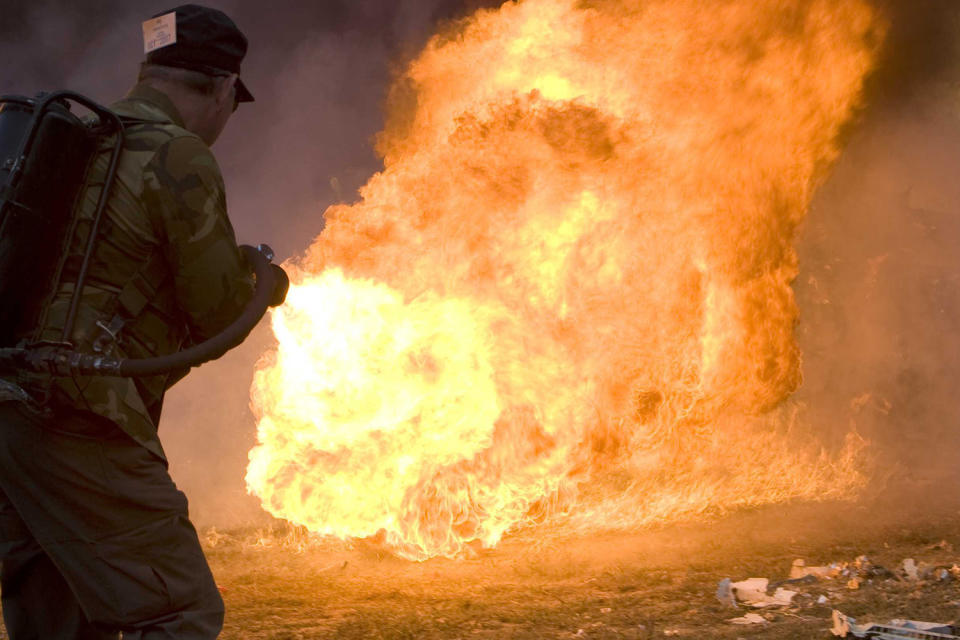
[(278, 584), (641, 585)]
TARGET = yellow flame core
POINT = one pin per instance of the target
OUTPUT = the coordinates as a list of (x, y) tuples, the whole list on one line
[(568, 292)]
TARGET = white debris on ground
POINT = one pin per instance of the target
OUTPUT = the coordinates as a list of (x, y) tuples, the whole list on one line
[(910, 569), (750, 618), (815, 586), (725, 593), (799, 569), (847, 627), (753, 592)]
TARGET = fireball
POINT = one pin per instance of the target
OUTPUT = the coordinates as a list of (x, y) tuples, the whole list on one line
[(567, 295)]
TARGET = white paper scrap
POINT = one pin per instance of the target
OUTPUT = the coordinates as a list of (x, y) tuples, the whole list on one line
[(910, 568), (753, 592), (751, 589), (783, 596), (750, 618)]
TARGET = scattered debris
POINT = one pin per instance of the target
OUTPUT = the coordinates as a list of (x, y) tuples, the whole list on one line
[(725, 593), (855, 575), (807, 579), (753, 592), (845, 626), (861, 568), (910, 569), (819, 585), (750, 618), (750, 590), (800, 570)]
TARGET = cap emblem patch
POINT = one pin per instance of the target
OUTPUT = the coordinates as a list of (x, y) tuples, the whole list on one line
[(159, 32)]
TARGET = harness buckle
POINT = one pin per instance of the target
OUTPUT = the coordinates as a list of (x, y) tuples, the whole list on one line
[(107, 340)]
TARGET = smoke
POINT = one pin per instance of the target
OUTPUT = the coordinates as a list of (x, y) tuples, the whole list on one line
[(319, 70), (879, 284)]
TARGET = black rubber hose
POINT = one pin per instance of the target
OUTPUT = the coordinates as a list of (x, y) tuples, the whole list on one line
[(218, 345), (59, 361)]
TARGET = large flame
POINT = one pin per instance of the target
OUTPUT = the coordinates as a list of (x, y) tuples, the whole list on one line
[(568, 291)]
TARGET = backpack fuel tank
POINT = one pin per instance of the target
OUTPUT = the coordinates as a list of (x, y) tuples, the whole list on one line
[(45, 154)]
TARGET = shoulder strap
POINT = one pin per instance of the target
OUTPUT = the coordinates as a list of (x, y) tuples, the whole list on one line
[(138, 291), (132, 299), (130, 121)]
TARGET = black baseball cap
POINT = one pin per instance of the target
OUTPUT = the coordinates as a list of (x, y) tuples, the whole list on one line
[(208, 41)]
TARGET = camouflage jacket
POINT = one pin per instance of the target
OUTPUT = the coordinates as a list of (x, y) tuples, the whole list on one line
[(165, 243)]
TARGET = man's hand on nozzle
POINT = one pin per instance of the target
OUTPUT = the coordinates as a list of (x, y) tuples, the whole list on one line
[(280, 286)]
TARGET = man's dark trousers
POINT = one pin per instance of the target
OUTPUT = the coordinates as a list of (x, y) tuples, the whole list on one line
[(94, 535)]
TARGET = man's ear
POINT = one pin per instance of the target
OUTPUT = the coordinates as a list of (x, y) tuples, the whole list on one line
[(224, 90)]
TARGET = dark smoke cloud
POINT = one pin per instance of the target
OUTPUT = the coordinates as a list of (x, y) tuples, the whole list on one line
[(879, 288), (879, 285)]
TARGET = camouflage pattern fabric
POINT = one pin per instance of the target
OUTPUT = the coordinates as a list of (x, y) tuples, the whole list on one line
[(167, 208)]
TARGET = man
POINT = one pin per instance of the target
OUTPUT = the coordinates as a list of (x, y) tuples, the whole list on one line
[(94, 535)]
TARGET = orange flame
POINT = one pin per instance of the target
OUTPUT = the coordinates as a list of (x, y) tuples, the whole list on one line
[(568, 292)]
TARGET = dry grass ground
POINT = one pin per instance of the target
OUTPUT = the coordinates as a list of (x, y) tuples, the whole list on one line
[(653, 584), (538, 585)]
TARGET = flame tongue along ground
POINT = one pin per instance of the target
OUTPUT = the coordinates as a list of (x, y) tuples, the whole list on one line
[(567, 295)]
